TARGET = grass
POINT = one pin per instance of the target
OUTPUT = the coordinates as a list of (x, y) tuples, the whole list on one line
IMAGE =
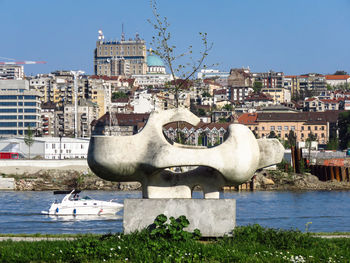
[(248, 244), (49, 235)]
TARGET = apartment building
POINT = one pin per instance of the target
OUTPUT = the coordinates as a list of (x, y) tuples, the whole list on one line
[(312, 82), (279, 95), (87, 112), (316, 104), (270, 79), (220, 77), (58, 87), (335, 80), (239, 94), (119, 124), (120, 57), (11, 72), (240, 77), (18, 111), (49, 120), (321, 124), (292, 83)]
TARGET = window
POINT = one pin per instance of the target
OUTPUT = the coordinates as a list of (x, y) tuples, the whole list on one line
[(292, 128), (316, 128), (29, 110), (8, 103), (31, 124), (309, 128), (322, 128), (12, 132), (8, 124), (8, 97), (30, 117), (302, 135), (302, 128), (29, 97), (286, 128), (279, 128), (272, 128), (8, 110), (29, 103)]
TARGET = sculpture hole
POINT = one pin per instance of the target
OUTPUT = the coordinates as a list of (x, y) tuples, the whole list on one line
[(195, 136), (197, 192)]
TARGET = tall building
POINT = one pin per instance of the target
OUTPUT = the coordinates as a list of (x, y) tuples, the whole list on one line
[(240, 77), (19, 108), (270, 79), (87, 112), (11, 72), (120, 57)]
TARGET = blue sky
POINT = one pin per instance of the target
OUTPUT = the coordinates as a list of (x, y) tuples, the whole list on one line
[(293, 36)]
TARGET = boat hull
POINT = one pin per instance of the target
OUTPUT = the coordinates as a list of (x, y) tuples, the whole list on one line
[(84, 208)]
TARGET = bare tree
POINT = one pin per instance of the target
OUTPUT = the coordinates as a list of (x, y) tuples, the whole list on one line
[(163, 47)]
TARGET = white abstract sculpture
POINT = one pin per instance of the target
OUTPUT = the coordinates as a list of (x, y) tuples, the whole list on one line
[(144, 157)]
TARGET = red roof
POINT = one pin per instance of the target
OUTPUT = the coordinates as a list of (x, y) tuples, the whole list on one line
[(329, 101), (310, 99), (211, 82), (258, 97), (104, 77), (337, 77), (220, 91), (248, 118)]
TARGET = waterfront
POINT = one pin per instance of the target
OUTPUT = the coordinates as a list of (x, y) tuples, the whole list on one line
[(329, 211)]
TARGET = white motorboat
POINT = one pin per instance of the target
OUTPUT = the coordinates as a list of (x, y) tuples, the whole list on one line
[(72, 204)]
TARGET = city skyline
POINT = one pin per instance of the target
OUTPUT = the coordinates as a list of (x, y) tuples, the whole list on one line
[(295, 37)]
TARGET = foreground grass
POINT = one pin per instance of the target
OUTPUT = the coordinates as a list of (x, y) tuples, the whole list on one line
[(248, 244)]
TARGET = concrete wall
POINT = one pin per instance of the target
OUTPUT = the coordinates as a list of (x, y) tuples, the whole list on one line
[(19, 167), (50, 164), (7, 183)]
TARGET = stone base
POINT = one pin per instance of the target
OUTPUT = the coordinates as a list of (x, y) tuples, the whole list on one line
[(212, 217)]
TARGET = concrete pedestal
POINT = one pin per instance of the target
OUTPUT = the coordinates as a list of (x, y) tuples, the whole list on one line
[(212, 217)]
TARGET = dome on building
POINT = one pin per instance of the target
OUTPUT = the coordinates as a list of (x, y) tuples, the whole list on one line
[(154, 61)]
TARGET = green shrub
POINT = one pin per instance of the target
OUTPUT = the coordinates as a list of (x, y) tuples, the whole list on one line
[(174, 230)]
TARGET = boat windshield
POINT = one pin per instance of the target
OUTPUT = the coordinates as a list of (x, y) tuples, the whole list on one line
[(86, 198)]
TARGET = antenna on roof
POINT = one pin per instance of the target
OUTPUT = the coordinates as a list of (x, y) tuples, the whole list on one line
[(123, 35)]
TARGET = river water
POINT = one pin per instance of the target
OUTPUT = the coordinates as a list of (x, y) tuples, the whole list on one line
[(328, 211)]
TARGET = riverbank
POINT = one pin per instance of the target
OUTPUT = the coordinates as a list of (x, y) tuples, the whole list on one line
[(277, 180), (34, 177)]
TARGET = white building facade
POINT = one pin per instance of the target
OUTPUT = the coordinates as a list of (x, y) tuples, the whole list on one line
[(47, 147)]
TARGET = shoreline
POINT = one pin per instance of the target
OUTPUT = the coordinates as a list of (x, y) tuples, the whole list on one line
[(81, 177)]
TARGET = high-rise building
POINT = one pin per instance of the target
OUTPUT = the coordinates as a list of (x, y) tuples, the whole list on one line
[(11, 72), (87, 112), (19, 108), (120, 57)]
